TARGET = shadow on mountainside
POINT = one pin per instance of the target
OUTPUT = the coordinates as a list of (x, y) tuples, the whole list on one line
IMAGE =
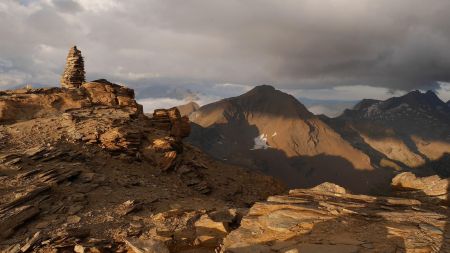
[(309, 171), (441, 167), (296, 172), (352, 131)]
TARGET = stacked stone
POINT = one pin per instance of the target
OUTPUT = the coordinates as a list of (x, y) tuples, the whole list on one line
[(73, 75), (171, 120)]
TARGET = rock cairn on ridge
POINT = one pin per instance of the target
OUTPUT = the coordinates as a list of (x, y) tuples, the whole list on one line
[(73, 75)]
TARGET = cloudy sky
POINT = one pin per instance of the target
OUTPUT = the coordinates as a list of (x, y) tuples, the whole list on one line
[(208, 49)]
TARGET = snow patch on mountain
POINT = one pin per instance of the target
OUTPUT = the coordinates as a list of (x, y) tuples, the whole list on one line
[(261, 142)]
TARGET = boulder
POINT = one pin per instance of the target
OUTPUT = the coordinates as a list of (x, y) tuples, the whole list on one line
[(433, 186)]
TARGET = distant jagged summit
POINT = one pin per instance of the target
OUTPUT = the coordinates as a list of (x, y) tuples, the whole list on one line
[(410, 130), (74, 74), (414, 104)]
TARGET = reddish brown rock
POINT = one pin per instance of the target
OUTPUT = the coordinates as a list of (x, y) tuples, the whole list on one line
[(102, 92), (171, 120), (17, 105)]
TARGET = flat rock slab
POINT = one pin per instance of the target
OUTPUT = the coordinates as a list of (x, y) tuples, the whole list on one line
[(309, 221)]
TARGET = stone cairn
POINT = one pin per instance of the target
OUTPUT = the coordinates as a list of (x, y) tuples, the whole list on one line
[(73, 75)]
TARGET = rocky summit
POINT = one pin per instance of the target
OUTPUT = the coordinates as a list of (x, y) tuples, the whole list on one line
[(84, 170)]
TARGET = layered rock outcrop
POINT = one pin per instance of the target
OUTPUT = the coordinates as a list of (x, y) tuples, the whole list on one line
[(25, 104), (328, 219)]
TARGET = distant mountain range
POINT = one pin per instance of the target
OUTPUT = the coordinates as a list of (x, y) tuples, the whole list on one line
[(410, 131), (362, 149)]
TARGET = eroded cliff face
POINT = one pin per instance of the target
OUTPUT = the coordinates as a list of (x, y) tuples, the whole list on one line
[(85, 169)]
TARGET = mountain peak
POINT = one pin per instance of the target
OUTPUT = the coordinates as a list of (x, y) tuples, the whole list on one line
[(416, 97), (268, 100), (262, 89)]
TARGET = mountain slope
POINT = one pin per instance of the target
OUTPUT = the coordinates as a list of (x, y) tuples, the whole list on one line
[(411, 131), (271, 130), (188, 108)]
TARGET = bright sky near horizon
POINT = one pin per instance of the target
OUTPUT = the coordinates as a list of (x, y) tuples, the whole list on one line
[(331, 49)]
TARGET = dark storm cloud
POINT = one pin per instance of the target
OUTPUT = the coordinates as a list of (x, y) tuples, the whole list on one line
[(301, 44), (394, 44)]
